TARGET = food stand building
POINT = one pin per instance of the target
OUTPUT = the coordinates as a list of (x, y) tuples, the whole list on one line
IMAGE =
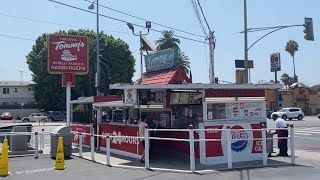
[(167, 99)]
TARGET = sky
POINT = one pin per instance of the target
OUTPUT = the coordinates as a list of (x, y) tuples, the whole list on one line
[(225, 17)]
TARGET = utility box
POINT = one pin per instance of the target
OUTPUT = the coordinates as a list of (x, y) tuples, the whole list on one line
[(19, 142), (65, 132), (270, 143)]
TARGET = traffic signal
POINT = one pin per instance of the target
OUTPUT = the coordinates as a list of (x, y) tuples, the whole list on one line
[(308, 29)]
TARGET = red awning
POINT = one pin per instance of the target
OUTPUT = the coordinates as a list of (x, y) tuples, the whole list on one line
[(171, 76)]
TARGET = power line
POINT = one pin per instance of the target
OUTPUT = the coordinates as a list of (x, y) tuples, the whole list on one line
[(54, 23), (112, 9), (195, 9), (120, 20), (16, 37), (204, 17)]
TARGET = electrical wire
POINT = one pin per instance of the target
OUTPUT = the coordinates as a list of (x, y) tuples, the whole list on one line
[(120, 20), (195, 9), (204, 17), (54, 23), (16, 37), (112, 9)]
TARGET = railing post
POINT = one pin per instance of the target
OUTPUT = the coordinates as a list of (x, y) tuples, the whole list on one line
[(92, 147), (293, 153), (42, 139), (229, 150), (264, 145), (36, 145), (191, 140), (80, 145), (146, 150), (108, 150)]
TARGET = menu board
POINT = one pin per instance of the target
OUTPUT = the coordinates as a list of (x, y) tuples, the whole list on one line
[(244, 110)]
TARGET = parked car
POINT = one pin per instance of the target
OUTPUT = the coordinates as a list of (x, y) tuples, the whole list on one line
[(319, 116), (6, 116), (290, 113), (56, 116), (269, 112), (34, 117)]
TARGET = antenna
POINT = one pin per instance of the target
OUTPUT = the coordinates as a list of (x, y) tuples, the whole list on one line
[(21, 75)]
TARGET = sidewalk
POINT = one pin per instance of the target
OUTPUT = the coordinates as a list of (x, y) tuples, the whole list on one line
[(172, 162)]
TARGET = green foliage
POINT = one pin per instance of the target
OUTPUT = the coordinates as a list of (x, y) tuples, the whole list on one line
[(117, 66), (287, 80), (292, 47), (168, 41)]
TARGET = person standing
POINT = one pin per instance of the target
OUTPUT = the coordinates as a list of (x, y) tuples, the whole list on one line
[(282, 131), (141, 134)]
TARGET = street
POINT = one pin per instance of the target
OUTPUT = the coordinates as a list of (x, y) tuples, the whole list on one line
[(307, 132)]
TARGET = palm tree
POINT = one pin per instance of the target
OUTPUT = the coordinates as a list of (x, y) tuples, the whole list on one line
[(184, 62), (167, 41), (292, 47), (286, 80)]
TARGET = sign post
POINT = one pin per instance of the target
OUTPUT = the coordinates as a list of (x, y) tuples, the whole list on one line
[(275, 66), (68, 55)]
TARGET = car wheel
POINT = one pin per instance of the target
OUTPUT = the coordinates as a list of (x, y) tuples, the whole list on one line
[(300, 117), (25, 120), (284, 117)]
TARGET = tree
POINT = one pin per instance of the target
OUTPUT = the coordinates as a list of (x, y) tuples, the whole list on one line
[(117, 65), (292, 47), (286, 80), (168, 41)]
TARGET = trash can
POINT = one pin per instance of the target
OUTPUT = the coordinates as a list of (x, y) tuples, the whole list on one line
[(65, 132), (270, 143)]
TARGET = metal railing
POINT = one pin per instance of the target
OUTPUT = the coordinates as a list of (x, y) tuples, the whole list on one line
[(191, 141)]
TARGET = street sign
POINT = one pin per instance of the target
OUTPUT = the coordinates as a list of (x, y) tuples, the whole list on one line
[(275, 63), (240, 63), (68, 78), (68, 54)]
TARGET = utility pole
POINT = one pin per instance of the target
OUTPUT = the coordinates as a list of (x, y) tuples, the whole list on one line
[(98, 53), (21, 75), (211, 54), (245, 42)]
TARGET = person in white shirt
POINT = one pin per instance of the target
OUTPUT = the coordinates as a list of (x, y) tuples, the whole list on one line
[(282, 133), (141, 134)]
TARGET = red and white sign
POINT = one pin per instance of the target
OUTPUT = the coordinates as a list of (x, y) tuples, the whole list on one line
[(68, 54), (68, 78), (128, 143), (81, 128)]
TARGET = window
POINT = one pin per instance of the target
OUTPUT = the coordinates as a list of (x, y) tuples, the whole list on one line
[(5, 91), (216, 111), (294, 110), (15, 89)]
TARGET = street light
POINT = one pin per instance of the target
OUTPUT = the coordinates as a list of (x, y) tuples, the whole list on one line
[(97, 83), (148, 26)]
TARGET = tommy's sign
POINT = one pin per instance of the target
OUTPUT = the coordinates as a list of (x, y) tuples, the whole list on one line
[(123, 139), (160, 60), (68, 54)]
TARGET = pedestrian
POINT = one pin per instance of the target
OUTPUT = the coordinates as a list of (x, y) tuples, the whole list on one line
[(141, 135), (282, 131)]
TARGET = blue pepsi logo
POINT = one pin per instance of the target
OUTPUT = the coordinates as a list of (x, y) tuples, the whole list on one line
[(239, 138)]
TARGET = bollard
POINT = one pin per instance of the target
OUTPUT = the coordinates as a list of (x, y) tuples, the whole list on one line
[(293, 153), (92, 147), (264, 146), (191, 140), (80, 145), (108, 150), (146, 149), (36, 145), (229, 150), (42, 144)]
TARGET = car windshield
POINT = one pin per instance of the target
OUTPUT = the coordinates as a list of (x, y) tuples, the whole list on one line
[(283, 110)]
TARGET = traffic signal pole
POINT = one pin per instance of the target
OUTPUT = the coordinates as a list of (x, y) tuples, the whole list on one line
[(245, 43)]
